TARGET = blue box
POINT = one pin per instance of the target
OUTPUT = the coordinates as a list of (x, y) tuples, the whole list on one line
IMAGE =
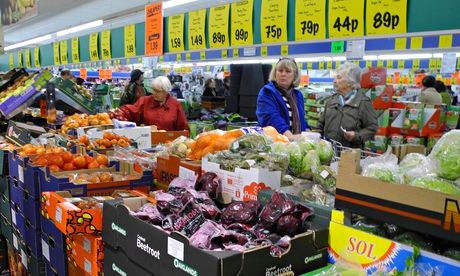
[(24, 173), (4, 184), (17, 194), (5, 207), (30, 234), (53, 233), (54, 255), (17, 220), (28, 206)]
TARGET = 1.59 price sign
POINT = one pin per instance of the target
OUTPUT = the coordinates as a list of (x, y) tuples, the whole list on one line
[(386, 17), (176, 33), (346, 18)]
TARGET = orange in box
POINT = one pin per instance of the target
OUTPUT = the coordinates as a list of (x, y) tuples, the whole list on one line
[(61, 208), (160, 137), (169, 167), (87, 252)]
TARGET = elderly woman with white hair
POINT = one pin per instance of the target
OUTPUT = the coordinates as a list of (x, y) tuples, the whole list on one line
[(159, 109), (349, 117)]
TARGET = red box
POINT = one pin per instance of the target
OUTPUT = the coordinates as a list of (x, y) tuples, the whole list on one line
[(168, 168), (161, 137), (374, 76)]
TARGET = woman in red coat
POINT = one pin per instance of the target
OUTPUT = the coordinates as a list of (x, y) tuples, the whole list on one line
[(159, 109)]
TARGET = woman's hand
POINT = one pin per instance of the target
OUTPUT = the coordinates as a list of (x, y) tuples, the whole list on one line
[(349, 135), (292, 137)]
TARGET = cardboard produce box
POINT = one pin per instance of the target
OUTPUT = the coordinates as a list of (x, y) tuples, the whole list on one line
[(161, 137), (170, 167), (87, 252), (53, 248), (242, 184), (61, 208), (412, 208), (171, 254), (23, 261), (116, 262)]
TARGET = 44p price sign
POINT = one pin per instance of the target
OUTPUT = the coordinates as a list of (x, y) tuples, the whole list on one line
[(273, 21), (346, 18), (386, 17), (241, 23)]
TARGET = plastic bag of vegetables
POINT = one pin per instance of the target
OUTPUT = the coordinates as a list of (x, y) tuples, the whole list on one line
[(436, 184), (446, 155), (326, 177), (181, 146), (383, 167), (415, 165), (310, 164), (325, 151)]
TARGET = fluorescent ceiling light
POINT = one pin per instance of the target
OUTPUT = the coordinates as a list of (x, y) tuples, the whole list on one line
[(175, 3), (371, 57), (406, 56), (269, 61), (28, 42), (246, 61), (79, 28), (307, 59), (441, 55)]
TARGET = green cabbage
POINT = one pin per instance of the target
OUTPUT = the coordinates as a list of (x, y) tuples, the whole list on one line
[(295, 158), (305, 145), (382, 173), (412, 161), (325, 152), (435, 184), (326, 177), (446, 153), (278, 147), (310, 164)]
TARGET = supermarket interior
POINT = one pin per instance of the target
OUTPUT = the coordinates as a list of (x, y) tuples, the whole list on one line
[(229, 137)]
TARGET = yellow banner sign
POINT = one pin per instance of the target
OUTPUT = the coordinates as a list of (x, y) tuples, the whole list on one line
[(20, 65), (445, 41), (63, 51), (56, 56), (310, 19), (273, 21), (130, 40), (75, 50), (27, 58), (385, 17), (93, 49), (176, 33), (105, 45), (11, 61), (218, 26), (196, 26), (37, 57), (242, 32), (346, 18)]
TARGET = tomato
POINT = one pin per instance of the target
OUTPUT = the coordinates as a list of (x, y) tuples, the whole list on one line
[(93, 165), (56, 160), (41, 150), (80, 162), (41, 161), (67, 156), (54, 168), (89, 159), (102, 159), (68, 167)]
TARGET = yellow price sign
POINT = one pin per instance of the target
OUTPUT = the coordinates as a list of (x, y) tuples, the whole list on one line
[(11, 61), (346, 18), (241, 23), (390, 64), (224, 53), (438, 63), (368, 63), (130, 40), (329, 65), (400, 43), (432, 64), (384, 17), (188, 56), (63, 51), (37, 57), (416, 42), (27, 57), (176, 33), (337, 64), (416, 64), (93, 49), (310, 19), (321, 65), (401, 64), (284, 50), (178, 57), (380, 63), (264, 51), (20, 65), (56, 56), (105, 45), (202, 55), (236, 53), (196, 27), (273, 21), (75, 50), (458, 63), (218, 26), (445, 41), (309, 65)]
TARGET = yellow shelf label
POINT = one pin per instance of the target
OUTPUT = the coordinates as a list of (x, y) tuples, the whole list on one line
[(11, 60), (20, 65), (75, 50), (401, 64), (368, 63), (284, 50), (380, 63), (346, 18), (432, 64), (386, 17), (310, 19), (178, 57), (236, 53), (187, 56), (416, 64), (241, 23), (400, 43), (37, 57), (27, 58), (202, 55), (321, 65), (130, 40), (93, 50), (105, 45), (56, 57), (416, 42), (218, 26), (196, 26), (337, 64), (161, 58), (273, 21), (63, 51), (390, 64), (264, 51), (176, 33), (309, 65), (224, 53), (445, 41), (329, 65)]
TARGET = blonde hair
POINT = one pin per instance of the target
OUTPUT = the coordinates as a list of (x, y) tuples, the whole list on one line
[(352, 73), (162, 83), (286, 63)]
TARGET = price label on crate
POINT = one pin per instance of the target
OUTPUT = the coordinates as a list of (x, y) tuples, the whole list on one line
[(273, 21), (176, 33), (196, 27), (385, 17), (310, 19), (218, 26), (130, 40), (346, 18), (45, 250), (241, 23)]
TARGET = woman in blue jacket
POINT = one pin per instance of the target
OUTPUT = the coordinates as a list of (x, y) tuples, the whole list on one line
[(279, 104)]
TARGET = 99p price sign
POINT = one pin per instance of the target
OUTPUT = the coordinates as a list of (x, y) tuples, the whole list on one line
[(346, 18), (176, 33), (273, 21), (310, 19), (241, 23), (385, 17), (218, 26)]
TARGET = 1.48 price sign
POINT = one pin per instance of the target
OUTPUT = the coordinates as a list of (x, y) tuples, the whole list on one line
[(386, 17), (346, 18)]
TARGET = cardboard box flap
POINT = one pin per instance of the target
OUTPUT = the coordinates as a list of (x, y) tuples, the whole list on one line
[(350, 162)]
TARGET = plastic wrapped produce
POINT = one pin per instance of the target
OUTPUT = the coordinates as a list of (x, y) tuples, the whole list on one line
[(202, 237), (415, 165), (325, 151), (384, 167), (310, 164), (414, 240), (241, 212), (253, 141), (369, 226), (325, 176), (446, 155), (453, 253), (210, 183), (436, 184), (181, 146), (149, 213)]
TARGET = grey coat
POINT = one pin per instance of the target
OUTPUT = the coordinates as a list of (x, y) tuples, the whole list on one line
[(357, 115)]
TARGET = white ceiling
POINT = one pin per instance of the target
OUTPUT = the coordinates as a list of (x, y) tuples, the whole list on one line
[(53, 17)]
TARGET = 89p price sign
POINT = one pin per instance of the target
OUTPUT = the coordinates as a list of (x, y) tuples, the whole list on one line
[(386, 17), (346, 18), (273, 21), (218, 26)]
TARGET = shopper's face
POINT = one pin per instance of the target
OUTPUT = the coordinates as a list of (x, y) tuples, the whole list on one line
[(284, 77), (341, 84), (158, 94)]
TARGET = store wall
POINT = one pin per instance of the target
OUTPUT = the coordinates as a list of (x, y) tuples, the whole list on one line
[(423, 15)]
